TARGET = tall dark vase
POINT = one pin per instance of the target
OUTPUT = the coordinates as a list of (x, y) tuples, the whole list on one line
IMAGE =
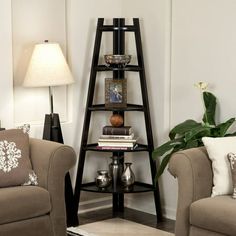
[(115, 169)]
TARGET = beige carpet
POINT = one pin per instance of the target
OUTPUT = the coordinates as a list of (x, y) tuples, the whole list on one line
[(117, 227)]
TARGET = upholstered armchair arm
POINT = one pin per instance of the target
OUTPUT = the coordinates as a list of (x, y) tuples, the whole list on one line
[(193, 169), (51, 161)]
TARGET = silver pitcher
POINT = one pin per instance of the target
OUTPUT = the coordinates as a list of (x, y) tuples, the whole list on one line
[(103, 179)]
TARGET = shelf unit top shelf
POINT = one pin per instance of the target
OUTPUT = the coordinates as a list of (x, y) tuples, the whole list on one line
[(139, 148), (130, 107), (138, 187), (130, 28), (133, 68)]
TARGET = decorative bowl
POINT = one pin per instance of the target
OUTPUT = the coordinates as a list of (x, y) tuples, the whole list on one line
[(117, 59)]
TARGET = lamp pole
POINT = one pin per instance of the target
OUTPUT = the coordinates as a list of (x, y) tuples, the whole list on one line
[(51, 99)]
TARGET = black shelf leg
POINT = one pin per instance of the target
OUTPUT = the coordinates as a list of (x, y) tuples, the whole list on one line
[(118, 48)]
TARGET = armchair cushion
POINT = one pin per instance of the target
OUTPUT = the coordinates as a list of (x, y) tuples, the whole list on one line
[(23, 202), (216, 214), (15, 164)]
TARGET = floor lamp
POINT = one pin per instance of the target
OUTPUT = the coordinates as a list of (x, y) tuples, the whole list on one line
[(48, 68)]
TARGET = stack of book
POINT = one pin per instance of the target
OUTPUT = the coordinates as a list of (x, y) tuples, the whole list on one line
[(117, 138)]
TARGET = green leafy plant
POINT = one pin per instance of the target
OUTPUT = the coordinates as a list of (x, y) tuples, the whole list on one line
[(189, 133)]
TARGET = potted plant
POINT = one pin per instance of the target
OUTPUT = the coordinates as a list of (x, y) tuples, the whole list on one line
[(189, 133)]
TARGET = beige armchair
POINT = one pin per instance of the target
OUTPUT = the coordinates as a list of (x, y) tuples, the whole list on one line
[(198, 214), (38, 210)]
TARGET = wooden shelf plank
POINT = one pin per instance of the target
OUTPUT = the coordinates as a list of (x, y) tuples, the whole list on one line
[(139, 148), (118, 68), (130, 107), (116, 28), (138, 187)]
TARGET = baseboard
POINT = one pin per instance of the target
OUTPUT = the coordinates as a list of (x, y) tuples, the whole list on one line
[(95, 204), (169, 213), (139, 205)]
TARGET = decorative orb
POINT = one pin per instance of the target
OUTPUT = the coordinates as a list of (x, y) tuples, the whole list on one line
[(116, 120)]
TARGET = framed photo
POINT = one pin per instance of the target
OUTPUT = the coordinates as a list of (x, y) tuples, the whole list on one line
[(115, 93)]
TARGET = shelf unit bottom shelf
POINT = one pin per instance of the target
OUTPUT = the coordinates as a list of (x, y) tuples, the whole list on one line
[(138, 187)]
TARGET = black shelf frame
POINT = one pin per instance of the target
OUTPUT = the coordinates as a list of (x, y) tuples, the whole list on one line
[(118, 29)]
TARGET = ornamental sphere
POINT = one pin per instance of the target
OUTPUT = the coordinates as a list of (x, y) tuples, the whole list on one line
[(116, 120)]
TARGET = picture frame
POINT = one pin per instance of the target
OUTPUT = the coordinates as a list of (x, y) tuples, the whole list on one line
[(115, 93)]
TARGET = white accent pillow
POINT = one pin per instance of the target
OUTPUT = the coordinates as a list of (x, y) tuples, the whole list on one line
[(217, 149)]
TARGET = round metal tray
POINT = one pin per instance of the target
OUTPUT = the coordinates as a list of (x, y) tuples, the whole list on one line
[(117, 59)]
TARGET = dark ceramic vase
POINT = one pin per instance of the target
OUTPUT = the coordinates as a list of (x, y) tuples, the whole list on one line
[(116, 169)]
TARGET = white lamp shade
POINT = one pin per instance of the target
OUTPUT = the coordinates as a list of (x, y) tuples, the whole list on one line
[(47, 67)]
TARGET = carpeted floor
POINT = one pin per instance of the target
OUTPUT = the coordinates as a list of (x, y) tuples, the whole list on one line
[(116, 227)]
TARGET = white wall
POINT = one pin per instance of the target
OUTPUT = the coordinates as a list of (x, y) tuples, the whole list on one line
[(203, 49), (6, 82)]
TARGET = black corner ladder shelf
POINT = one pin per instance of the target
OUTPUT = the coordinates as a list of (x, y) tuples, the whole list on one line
[(118, 28)]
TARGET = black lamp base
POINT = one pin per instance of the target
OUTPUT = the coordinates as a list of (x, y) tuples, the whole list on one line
[(52, 131), (52, 128)]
